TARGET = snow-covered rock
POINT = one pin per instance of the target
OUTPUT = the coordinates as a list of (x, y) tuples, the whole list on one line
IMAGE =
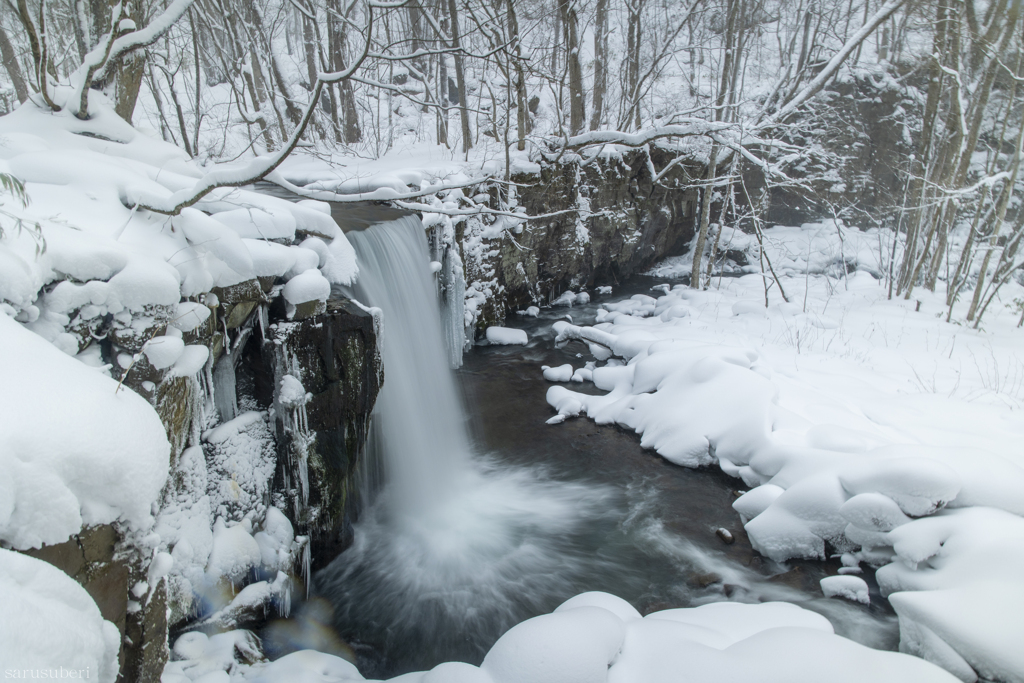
[(850, 587), (51, 624), (599, 638), (74, 449), (506, 335)]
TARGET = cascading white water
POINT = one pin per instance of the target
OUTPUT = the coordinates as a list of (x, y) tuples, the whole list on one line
[(452, 551), (419, 420)]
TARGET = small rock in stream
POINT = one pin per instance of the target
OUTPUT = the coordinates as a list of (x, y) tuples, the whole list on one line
[(726, 536)]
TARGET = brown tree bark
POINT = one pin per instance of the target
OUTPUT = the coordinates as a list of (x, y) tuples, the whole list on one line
[(460, 78), (10, 58), (570, 34)]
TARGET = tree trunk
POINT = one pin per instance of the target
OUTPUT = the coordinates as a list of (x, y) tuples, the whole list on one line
[(705, 219), (600, 62), (348, 114), (460, 78), (129, 80), (522, 113), (577, 99), (632, 94), (10, 58)]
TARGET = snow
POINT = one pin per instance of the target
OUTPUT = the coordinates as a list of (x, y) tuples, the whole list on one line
[(957, 590), (567, 298), (75, 450), (51, 624), (308, 666), (163, 351), (189, 315), (506, 335), (292, 394), (309, 285), (103, 257), (562, 373), (192, 359), (599, 638), (216, 526), (233, 427), (234, 550), (849, 587), (862, 426)]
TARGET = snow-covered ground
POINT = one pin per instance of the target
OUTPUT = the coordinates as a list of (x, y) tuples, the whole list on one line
[(862, 426), (599, 638)]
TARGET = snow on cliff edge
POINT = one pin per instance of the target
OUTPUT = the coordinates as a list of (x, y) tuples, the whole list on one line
[(73, 450)]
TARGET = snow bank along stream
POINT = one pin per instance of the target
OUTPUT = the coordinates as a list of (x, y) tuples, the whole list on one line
[(845, 448)]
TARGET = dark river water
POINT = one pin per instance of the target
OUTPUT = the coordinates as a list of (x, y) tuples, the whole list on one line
[(595, 511)]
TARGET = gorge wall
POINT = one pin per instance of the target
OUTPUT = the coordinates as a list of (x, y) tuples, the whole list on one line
[(596, 224)]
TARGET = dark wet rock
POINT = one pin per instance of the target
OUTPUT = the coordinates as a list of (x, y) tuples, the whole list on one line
[(308, 309), (610, 221), (704, 579), (725, 535), (334, 354), (176, 403), (146, 638), (236, 314), (247, 290)]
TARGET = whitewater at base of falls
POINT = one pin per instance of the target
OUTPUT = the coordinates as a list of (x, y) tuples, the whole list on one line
[(456, 548)]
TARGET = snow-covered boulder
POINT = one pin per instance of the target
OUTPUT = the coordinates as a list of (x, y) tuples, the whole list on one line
[(74, 448), (51, 624)]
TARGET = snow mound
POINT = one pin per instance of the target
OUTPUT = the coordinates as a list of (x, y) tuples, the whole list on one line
[(74, 449), (562, 373), (849, 587), (50, 623), (506, 335), (599, 638)]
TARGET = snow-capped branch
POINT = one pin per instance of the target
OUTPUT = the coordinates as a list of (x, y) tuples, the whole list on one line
[(693, 127), (478, 211), (381, 194), (111, 49)]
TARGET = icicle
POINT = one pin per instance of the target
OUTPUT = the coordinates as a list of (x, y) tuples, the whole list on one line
[(306, 564), (263, 321)]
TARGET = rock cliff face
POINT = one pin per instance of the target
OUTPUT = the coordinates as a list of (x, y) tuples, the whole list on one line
[(598, 224), (318, 440), (320, 445)]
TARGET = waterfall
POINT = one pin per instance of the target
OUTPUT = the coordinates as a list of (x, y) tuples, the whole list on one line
[(456, 548), (452, 551), (419, 422)]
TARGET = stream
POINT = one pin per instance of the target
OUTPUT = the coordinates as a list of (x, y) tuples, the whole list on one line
[(489, 516)]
